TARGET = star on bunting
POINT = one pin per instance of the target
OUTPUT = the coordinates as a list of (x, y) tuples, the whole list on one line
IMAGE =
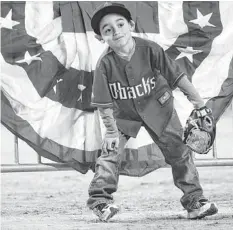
[(7, 22), (202, 20), (55, 87), (81, 88), (187, 52), (28, 58)]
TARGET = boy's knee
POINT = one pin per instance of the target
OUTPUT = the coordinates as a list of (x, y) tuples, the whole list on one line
[(180, 158)]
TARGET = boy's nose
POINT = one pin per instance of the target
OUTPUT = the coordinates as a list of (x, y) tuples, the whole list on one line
[(115, 30)]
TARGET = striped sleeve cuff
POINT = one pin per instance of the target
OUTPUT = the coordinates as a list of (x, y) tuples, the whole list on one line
[(102, 105), (175, 83)]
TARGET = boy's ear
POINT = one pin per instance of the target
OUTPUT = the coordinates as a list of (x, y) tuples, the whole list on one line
[(98, 37), (132, 25)]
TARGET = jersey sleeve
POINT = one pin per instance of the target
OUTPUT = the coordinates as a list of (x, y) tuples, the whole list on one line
[(101, 96), (168, 67)]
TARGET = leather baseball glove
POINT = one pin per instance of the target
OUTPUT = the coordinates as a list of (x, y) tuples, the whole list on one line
[(200, 130)]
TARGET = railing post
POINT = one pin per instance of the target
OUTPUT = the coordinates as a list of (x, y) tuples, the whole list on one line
[(215, 150), (39, 159), (16, 148)]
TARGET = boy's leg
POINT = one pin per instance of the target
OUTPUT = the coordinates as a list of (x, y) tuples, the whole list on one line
[(179, 156), (105, 180)]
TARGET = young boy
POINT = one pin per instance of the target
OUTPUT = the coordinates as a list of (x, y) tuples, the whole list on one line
[(132, 87)]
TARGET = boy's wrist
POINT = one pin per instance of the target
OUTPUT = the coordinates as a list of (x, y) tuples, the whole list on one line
[(112, 134), (199, 105)]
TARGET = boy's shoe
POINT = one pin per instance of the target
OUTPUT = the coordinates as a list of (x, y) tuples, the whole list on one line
[(105, 211), (202, 208)]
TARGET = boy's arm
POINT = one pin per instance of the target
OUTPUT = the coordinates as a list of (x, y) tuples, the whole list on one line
[(111, 140), (190, 91), (200, 128)]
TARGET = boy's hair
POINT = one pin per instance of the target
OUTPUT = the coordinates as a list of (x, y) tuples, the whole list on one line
[(108, 8)]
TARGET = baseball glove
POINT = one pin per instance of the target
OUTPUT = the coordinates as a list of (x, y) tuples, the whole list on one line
[(200, 130)]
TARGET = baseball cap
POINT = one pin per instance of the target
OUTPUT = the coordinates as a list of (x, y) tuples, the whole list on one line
[(108, 8)]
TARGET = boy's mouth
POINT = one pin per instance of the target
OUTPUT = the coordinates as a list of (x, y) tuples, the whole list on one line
[(118, 38)]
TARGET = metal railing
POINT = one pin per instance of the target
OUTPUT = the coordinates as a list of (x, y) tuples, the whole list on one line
[(215, 160), (39, 166)]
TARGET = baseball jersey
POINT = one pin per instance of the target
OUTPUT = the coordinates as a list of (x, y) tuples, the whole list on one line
[(139, 90)]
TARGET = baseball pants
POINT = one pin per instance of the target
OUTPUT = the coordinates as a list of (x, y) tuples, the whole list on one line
[(176, 153)]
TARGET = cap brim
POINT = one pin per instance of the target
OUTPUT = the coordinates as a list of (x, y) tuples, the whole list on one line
[(107, 10)]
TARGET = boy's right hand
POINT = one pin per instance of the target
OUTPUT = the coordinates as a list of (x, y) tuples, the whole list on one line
[(110, 144)]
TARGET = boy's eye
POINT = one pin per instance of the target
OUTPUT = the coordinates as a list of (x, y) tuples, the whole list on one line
[(107, 31), (120, 24)]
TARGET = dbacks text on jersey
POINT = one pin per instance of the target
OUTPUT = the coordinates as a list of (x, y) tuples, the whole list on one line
[(127, 92)]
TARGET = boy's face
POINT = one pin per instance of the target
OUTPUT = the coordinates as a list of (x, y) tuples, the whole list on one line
[(116, 30)]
